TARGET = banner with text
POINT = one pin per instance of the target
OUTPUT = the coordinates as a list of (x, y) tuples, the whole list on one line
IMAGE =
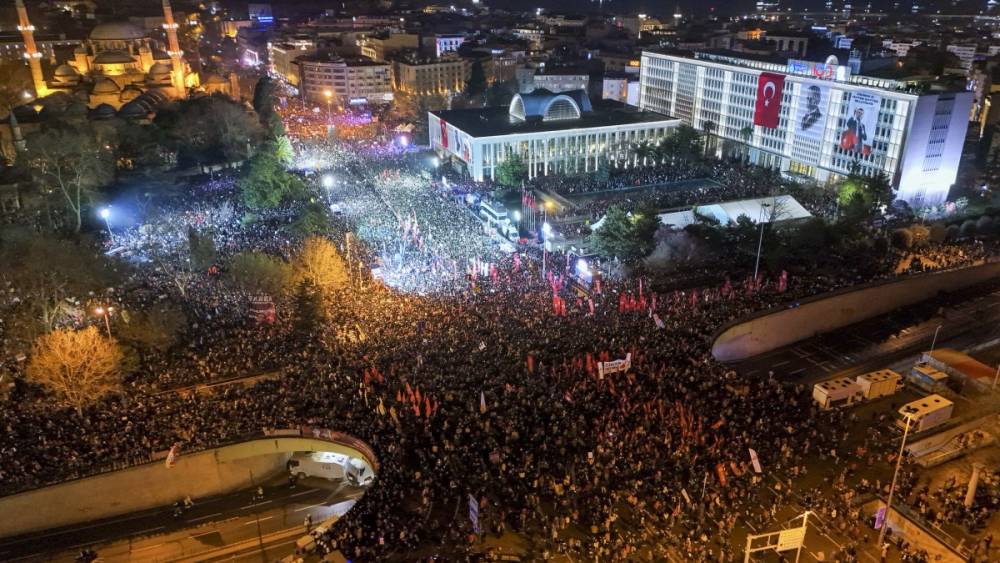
[(615, 366)]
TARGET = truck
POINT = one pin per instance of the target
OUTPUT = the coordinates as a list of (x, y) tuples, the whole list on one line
[(839, 392), (881, 383), (926, 413)]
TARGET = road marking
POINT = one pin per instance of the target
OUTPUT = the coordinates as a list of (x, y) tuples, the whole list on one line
[(208, 533), (303, 493), (150, 530), (253, 505), (308, 507), (798, 371), (258, 520), (779, 364), (148, 547), (200, 518)]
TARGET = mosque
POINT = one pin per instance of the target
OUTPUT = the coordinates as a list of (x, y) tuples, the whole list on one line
[(121, 66)]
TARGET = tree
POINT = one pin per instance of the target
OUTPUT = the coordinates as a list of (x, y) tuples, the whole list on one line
[(313, 220), (499, 94), (512, 171), (709, 128), (263, 104), (210, 129), (283, 151), (476, 84), (321, 264), (257, 272), (68, 160), (155, 328), (266, 183), (307, 308), (413, 108), (201, 249), (627, 236), (78, 366)]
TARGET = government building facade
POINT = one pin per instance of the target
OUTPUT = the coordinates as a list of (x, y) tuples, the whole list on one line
[(553, 133), (815, 120)]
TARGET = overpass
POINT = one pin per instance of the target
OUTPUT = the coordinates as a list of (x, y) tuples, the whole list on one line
[(235, 466)]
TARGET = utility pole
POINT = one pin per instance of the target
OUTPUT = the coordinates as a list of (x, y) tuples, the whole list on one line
[(256, 515), (892, 487), (760, 242)]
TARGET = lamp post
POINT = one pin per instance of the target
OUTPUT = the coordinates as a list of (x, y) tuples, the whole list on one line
[(105, 214), (760, 242), (934, 341), (892, 487), (546, 231), (104, 312), (329, 110)]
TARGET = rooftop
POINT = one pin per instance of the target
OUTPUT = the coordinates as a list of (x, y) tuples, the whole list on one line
[(494, 121)]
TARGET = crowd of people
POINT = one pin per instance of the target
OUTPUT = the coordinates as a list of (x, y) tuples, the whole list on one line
[(477, 375)]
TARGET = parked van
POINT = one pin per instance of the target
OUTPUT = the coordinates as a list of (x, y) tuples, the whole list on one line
[(926, 413), (327, 465), (881, 383), (839, 392)]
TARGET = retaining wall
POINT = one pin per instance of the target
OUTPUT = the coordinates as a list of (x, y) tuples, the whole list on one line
[(152, 485), (775, 328)]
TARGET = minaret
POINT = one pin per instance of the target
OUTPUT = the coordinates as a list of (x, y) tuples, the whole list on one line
[(31, 51), (174, 49)]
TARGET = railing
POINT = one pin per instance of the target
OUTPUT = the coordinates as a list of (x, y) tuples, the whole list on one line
[(158, 456)]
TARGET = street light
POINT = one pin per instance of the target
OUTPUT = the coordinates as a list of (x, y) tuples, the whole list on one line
[(934, 341), (329, 111), (327, 181), (104, 312), (105, 213), (892, 487), (546, 232), (760, 242)]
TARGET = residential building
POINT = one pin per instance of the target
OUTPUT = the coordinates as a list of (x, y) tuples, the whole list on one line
[(815, 120), (282, 58), (380, 48), (445, 75), (440, 44), (350, 81), (621, 87), (553, 133), (562, 81), (966, 53)]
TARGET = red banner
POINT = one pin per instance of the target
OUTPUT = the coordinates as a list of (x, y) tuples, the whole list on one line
[(767, 110), (444, 133)]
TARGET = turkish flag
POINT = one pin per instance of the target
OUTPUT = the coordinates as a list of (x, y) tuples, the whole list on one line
[(768, 107), (444, 133)]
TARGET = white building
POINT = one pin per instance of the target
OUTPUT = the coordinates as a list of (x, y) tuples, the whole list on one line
[(447, 43), (559, 82), (349, 81), (621, 87), (815, 120), (965, 53), (553, 133)]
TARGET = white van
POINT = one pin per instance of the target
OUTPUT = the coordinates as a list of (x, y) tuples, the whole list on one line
[(328, 465)]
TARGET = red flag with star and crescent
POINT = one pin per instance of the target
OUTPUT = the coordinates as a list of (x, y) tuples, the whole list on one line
[(767, 110)]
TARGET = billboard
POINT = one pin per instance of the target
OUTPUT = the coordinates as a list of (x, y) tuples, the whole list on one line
[(767, 110), (814, 102), (862, 116), (829, 70)]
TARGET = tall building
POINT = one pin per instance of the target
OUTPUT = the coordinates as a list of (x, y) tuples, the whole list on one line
[(31, 53), (815, 120), (445, 75)]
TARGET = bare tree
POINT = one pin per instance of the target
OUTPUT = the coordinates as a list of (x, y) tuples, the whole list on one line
[(69, 160), (80, 366)]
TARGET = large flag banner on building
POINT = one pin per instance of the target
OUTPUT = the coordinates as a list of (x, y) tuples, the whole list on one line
[(814, 101), (862, 115), (755, 461), (615, 366), (767, 110), (474, 513), (444, 133)]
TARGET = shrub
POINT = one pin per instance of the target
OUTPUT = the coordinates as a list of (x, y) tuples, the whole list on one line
[(902, 239), (951, 233), (984, 225), (968, 228), (921, 235), (938, 232)]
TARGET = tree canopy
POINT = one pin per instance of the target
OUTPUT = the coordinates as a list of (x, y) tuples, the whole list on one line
[(266, 183), (512, 171), (626, 236), (78, 366)]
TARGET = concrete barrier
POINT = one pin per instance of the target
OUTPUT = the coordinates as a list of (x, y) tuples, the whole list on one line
[(778, 327), (151, 485)]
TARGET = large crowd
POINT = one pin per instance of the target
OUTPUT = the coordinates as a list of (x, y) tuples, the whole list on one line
[(476, 374)]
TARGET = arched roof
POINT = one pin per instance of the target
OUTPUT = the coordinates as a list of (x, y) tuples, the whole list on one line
[(113, 57), (65, 70), (105, 86), (116, 31), (159, 69), (537, 105)]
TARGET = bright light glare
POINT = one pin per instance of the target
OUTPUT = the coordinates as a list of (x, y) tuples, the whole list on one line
[(546, 230), (403, 141), (581, 266), (436, 162), (104, 213), (516, 215), (327, 181)]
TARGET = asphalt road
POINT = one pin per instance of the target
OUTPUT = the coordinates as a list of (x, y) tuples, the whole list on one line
[(215, 528), (877, 342)]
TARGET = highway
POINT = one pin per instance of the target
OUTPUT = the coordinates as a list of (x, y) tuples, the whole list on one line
[(878, 342), (231, 527)]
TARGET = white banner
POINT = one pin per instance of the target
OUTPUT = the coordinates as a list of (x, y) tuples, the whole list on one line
[(755, 461), (614, 366), (791, 539)]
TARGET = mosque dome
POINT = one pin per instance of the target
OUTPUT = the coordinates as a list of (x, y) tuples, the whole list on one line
[(159, 69), (66, 74), (103, 111), (129, 93), (113, 57), (116, 31), (105, 86)]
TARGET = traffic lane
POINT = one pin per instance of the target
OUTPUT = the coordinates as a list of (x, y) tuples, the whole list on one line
[(817, 358), (150, 522)]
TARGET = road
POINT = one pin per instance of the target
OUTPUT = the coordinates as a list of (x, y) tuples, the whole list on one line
[(878, 342), (215, 528)]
